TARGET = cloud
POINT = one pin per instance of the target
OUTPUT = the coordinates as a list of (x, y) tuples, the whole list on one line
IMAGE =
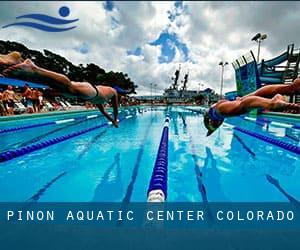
[(148, 40)]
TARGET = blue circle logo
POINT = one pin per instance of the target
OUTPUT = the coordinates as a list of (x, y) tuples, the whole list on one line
[(32, 20), (64, 11)]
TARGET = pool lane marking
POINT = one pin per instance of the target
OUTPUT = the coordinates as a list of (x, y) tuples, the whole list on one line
[(281, 144), (65, 121), (276, 184), (244, 145), (93, 116), (199, 174), (267, 139), (11, 154), (49, 184), (104, 178), (90, 143), (292, 137), (197, 167), (40, 192), (261, 121), (258, 121), (38, 138), (136, 167), (250, 119), (58, 122)]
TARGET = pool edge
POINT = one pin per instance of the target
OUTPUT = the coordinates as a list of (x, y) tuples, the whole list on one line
[(46, 114)]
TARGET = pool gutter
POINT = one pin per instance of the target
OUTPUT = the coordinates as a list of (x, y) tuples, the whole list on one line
[(281, 115), (46, 114)]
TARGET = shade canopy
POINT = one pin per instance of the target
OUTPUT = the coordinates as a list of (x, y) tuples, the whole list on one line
[(18, 83)]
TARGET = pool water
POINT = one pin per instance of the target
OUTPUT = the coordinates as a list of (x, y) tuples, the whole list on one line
[(110, 164)]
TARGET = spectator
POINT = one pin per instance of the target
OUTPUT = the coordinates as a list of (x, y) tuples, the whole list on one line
[(35, 100), (41, 100), (9, 98), (3, 110), (27, 95)]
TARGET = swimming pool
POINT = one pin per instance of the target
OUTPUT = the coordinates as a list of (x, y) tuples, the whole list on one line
[(109, 164)]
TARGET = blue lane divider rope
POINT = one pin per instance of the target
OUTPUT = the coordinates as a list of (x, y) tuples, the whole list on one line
[(6, 130), (157, 191), (287, 146), (11, 154)]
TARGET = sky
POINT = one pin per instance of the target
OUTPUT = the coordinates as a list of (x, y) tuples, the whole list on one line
[(148, 40)]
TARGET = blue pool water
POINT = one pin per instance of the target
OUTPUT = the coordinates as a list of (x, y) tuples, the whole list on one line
[(110, 164)]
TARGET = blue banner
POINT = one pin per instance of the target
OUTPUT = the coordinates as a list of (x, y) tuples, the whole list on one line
[(164, 215), (149, 226), (247, 79)]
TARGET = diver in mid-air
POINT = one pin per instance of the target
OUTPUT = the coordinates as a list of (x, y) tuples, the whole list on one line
[(268, 97), (96, 94)]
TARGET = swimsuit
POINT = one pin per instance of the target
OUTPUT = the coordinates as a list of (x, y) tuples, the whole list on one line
[(214, 115), (117, 88), (97, 93)]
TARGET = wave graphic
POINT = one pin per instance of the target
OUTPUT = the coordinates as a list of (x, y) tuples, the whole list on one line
[(47, 19), (63, 11), (39, 26)]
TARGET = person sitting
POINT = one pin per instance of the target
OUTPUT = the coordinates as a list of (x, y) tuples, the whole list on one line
[(268, 97)]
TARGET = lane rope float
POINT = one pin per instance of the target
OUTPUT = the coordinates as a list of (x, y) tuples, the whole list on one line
[(157, 191), (58, 122), (11, 154), (287, 146)]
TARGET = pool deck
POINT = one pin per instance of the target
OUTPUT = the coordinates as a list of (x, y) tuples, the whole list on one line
[(45, 114), (281, 115), (78, 111)]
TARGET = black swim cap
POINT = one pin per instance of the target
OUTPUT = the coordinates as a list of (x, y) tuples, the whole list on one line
[(210, 124)]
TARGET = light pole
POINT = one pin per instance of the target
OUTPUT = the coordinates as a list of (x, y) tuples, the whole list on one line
[(222, 64), (151, 86), (155, 85), (259, 38)]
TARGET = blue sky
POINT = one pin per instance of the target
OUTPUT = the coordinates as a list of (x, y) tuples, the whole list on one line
[(148, 40), (168, 41)]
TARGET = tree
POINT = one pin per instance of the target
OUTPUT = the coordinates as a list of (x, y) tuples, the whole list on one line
[(54, 62)]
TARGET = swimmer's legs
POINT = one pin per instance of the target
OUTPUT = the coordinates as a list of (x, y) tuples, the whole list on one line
[(250, 102), (29, 66), (282, 89), (11, 58)]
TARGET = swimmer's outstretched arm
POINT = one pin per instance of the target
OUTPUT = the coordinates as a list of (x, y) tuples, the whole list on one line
[(115, 105), (104, 112)]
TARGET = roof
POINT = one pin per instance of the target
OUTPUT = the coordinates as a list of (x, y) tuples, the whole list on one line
[(18, 83)]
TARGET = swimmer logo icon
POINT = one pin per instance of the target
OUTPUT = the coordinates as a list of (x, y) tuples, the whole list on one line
[(58, 24)]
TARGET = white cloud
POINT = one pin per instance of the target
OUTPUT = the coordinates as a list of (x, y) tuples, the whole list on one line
[(212, 31)]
